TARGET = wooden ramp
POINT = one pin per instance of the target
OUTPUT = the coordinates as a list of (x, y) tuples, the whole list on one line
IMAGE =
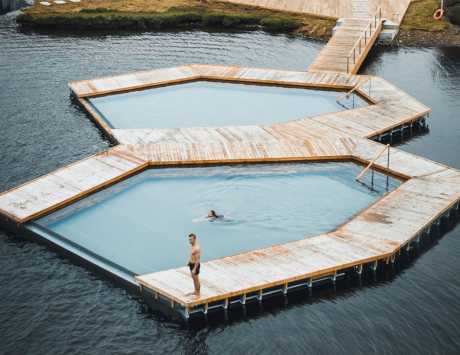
[(348, 48)]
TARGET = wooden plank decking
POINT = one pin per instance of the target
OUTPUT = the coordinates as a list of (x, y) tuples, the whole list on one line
[(346, 50), (376, 234), (337, 136), (67, 184), (391, 106), (393, 10)]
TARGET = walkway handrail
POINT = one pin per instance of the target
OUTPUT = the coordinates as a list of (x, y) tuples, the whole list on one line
[(376, 18), (352, 90), (366, 169)]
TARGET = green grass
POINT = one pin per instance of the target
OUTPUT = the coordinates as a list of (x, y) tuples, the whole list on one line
[(419, 17), (171, 14), (100, 18)]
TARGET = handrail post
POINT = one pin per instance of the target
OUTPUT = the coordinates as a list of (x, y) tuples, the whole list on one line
[(388, 168), (361, 174)]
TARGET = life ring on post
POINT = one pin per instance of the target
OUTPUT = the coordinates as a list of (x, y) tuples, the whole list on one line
[(438, 14)]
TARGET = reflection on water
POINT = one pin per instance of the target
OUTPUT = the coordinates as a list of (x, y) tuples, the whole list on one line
[(49, 305)]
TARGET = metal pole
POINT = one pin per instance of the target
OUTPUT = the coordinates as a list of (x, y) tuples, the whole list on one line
[(388, 168), (372, 180)]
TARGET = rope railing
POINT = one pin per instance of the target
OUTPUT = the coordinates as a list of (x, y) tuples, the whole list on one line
[(357, 49)]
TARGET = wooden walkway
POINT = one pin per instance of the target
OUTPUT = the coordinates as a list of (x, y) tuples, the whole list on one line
[(375, 235), (430, 190), (393, 10), (361, 22), (321, 137), (391, 106), (349, 46)]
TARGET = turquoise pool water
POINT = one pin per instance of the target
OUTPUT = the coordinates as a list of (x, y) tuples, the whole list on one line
[(204, 103), (142, 223)]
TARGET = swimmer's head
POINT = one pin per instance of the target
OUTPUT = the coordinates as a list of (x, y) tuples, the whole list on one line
[(212, 214)]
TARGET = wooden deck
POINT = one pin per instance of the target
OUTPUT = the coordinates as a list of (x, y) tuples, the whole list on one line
[(376, 234), (430, 190), (393, 10), (391, 106), (328, 136), (59, 188)]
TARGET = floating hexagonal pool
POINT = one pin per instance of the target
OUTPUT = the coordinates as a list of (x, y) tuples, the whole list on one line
[(140, 225), (210, 103)]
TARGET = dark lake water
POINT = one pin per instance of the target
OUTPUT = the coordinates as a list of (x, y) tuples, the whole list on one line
[(49, 305)]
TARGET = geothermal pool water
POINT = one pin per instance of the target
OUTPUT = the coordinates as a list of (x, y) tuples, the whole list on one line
[(205, 103), (142, 223)]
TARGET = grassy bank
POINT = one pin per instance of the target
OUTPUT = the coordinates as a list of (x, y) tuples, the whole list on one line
[(171, 14), (419, 17), (420, 28)]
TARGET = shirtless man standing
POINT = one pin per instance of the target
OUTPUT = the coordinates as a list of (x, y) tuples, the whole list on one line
[(194, 262)]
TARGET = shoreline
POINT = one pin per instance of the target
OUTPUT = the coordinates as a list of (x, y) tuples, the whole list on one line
[(177, 15), (417, 29)]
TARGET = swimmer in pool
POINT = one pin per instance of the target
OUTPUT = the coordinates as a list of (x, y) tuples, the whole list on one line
[(212, 215)]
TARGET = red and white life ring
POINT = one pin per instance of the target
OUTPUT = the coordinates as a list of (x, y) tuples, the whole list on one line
[(438, 14)]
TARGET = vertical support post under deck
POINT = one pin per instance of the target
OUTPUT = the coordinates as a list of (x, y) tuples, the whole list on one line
[(388, 168), (334, 277), (186, 313), (243, 299), (372, 179)]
